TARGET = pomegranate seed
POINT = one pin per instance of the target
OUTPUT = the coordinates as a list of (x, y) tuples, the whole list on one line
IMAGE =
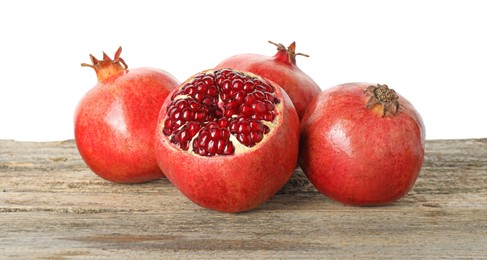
[(171, 111), (239, 96), (244, 139), (222, 122), (203, 139), (201, 87), (187, 114), (168, 123), (231, 75), (246, 110), (194, 105), (193, 128), (243, 128), (250, 99), (220, 146), (166, 131), (228, 113), (212, 91), (269, 105), (237, 84), (176, 115), (208, 80), (233, 127), (199, 96), (249, 86), (211, 148), (259, 107), (226, 84), (256, 136), (200, 116), (184, 136), (259, 95), (269, 88), (189, 91), (229, 149), (269, 116), (225, 95), (181, 104), (257, 126), (214, 133), (219, 79)]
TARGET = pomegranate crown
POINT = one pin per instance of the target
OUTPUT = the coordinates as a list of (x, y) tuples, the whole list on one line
[(287, 54), (384, 96), (107, 67)]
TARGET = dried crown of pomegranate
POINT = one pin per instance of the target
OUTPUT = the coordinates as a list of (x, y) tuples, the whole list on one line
[(385, 97), (220, 112), (287, 54), (107, 67)]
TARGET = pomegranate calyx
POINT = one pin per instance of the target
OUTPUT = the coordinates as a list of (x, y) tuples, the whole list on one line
[(107, 67), (384, 96), (287, 54)]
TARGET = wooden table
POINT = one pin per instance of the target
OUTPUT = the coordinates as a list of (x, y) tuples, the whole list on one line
[(53, 207)]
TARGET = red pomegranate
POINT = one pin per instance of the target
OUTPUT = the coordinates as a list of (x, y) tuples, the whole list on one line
[(362, 144), (228, 140), (115, 122), (282, 69)]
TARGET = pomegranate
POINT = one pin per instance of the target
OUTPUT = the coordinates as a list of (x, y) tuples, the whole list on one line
[(115, 122), (362, 144), (282, 69), (228, 140)]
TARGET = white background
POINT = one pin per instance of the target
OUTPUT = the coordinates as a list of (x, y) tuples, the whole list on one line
[(432, 52)]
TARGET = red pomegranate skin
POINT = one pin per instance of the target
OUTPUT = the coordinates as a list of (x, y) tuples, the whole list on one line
[(238, 182), (115, 124), (282, 69), (356, 156)]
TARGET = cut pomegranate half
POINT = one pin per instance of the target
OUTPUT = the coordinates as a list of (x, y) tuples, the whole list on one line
[(227, 139), (221, 112)]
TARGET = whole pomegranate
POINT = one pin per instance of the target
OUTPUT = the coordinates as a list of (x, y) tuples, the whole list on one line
[(228, 140), (362, 144), (115, 122), (282, 69)]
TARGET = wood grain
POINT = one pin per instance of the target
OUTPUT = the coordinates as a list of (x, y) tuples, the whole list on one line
[(53, 207)]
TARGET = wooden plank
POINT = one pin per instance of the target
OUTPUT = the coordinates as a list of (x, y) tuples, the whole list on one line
[(53, 207)]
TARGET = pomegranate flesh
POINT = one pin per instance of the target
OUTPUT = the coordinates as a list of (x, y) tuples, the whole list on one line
[(282, 69), (115, 121), (228, 140), (362, 144)]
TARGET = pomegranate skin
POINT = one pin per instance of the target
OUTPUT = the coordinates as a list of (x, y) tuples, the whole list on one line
[(115, 124), (356, 155), (282, 69), (238, 182)]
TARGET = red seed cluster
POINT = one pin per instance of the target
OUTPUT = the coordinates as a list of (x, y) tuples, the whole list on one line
[(215, 105)]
